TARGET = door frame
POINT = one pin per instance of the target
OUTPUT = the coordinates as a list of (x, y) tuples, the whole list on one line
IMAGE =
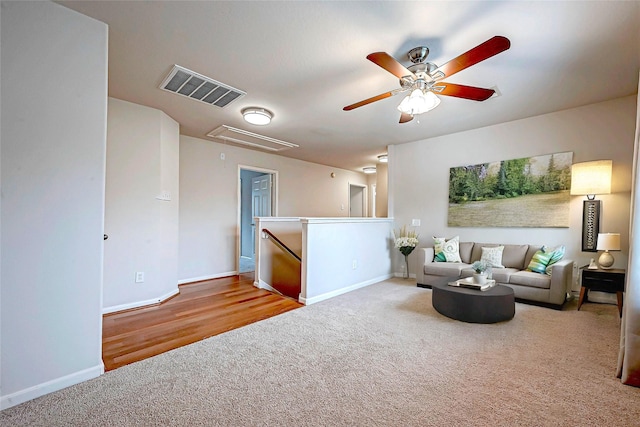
[(365, 207), (274, 202)]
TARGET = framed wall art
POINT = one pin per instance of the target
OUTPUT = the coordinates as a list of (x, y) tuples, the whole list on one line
[(525, 192)]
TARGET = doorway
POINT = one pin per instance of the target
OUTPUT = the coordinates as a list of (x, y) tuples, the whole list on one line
[(257, 197), (357, 200)]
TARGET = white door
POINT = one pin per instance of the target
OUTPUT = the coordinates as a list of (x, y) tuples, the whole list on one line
[(357, 201), (260, 200)]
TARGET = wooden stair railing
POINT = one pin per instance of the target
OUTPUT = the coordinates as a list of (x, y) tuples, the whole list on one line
[(281, 245)]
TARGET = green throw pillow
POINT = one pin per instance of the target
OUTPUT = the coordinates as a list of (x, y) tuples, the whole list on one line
[(556, 255), (543, 259)]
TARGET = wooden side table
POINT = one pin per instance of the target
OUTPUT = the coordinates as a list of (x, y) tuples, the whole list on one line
[(611, 280)]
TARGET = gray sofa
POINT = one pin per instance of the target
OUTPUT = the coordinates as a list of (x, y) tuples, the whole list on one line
[(540, 289)]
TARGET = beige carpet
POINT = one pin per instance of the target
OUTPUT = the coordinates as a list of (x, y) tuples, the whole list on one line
[(380, 355)]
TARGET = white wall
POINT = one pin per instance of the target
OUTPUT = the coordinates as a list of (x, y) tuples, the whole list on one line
[(53, 133), (209, 200), (142, 165), (343, 254), (599, 131)]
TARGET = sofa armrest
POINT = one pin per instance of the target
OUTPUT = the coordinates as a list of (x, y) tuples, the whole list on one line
[(425, 256), (561, 276)]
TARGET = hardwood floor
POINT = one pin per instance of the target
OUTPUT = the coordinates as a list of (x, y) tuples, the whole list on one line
[(201, 310)]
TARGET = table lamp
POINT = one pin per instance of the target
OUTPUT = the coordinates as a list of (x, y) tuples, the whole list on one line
[(590, 179), (607, 242)]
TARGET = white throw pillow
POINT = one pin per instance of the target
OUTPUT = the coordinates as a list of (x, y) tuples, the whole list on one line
[(451, 249), (493, 256)]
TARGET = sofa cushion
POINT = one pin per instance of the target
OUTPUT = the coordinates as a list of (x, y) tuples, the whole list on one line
[(503, 275), (465, 251), (500, 275), (449, 269), (493, 256), (512, 256), (528, 278)]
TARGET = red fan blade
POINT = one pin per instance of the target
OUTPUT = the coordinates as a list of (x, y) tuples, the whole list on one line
[(389, 63), (491, 47), (404, 117), (462, 91)]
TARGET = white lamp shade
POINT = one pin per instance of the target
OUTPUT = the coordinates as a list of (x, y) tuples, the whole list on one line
[(608, 242), (419, 102), (591, 178)]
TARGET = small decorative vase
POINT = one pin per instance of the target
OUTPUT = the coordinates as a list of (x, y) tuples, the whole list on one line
[(406, 266), (480, 278)]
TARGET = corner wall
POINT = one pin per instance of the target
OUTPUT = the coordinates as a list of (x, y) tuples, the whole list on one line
[(142, 172), (53, 164), (420, 181)]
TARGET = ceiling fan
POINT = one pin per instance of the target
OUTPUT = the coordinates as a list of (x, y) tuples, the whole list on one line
[(424, 79)]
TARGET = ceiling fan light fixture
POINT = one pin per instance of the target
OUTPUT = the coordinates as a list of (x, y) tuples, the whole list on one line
[(419, 102), (257, 116), (369, 169)]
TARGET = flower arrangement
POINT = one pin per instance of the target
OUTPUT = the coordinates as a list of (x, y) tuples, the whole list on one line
[(480, 266), (405, 240)]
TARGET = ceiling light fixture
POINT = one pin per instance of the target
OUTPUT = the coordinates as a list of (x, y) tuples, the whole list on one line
[(383, 158), (369, 169), (257, 116), (419, 102)]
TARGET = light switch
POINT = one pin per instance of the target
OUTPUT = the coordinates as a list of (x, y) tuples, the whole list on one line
[(415, 222)]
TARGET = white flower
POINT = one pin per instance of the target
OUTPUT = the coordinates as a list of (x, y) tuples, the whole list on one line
[(406, 241)]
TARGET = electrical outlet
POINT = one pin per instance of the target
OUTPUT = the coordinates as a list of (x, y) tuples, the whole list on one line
[(139, 276), (354, 264), (164, 196), (415, 222)]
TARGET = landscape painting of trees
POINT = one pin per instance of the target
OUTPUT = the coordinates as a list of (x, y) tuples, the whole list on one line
[(527, 192)]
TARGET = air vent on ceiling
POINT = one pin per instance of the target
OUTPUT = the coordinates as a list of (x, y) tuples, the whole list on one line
[(254, 140), (196, 86)]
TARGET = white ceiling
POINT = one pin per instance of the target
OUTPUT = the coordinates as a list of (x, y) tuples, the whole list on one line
[(306, 60)]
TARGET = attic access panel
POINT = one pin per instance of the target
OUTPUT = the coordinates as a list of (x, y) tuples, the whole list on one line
[(188, 83), (242, 137)]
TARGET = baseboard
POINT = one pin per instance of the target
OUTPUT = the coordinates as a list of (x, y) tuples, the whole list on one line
[(138, 304), (335, 293), (50, 386), (202, 278), (261, 284), (401, 275)]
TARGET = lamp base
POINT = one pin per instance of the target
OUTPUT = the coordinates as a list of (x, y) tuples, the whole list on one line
[(605, 260)]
